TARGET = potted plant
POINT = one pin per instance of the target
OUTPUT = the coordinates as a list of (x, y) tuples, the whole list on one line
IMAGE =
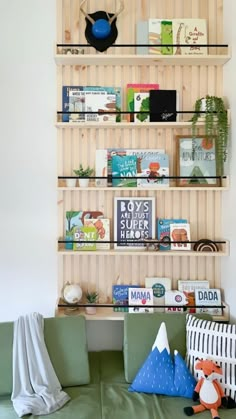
[(83, 175), (216, 125), (91, 298), (70, 182)]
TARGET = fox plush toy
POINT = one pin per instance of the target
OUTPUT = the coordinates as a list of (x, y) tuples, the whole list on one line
[(209, 391)]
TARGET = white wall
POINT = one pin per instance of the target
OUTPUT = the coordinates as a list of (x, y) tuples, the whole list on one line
[(28, 212)]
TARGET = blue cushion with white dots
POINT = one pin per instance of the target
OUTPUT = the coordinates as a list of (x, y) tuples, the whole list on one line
[(163, 374)]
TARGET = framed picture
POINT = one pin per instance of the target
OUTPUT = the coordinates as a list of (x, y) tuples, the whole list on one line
[(134, 220), (196, 158)]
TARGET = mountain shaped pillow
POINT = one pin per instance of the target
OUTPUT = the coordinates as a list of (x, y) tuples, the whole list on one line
[(163, 374)]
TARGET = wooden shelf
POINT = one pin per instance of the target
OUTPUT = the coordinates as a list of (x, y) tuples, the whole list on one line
[(166, 189), (148, 60), (174, 253), (109, 314), (126, 125)]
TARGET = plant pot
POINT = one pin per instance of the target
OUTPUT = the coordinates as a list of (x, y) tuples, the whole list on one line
[(83, 183), (90, 310), (71, 183)]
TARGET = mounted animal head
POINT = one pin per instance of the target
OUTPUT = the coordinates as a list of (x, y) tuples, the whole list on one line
[(208, 369), (101, 31)]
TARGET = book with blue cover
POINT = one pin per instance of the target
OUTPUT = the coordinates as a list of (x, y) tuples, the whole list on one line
[(163, 231), (154, 166), (120, 296), (126, 168)]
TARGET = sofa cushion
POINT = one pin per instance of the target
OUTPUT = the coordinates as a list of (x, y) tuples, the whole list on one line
[(140, 332), (66, 342), (216, 341), (163, 374)]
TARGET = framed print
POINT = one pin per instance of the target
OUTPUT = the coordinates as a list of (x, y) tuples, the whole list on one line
[(134, 220), (196, 158)]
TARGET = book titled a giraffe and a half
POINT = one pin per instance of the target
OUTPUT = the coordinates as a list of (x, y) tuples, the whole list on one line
[(173, 36)]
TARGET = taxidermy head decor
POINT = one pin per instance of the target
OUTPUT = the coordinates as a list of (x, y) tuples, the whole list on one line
[(101, 31)]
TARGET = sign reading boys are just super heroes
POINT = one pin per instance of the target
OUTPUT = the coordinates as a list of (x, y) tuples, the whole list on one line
[(134, 220)]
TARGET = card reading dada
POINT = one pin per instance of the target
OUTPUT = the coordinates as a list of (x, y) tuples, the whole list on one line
[(134, 221), (196, 161)]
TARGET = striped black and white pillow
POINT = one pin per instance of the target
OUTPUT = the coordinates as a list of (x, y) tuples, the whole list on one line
[(217, 341)]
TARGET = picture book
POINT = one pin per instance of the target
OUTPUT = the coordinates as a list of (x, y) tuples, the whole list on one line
[(120, 296), (155, 168), (134, 221), (208, 297), (101, 167), (76, 219), (159, 286), (73, 100), (133, 88), (192, 33), (84, 237), (142, 37), (188, 288), (163, 230), (111, 152), (180, 233), (175, 299), (100, 101), (141, 103), (154, 36), (166, 37), (102, 226), (124, 168), (163, 105), (142, 298)]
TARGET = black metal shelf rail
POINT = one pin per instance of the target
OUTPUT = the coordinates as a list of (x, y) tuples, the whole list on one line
[(151, 241), (159, 178), (147, 45), (78, 305)]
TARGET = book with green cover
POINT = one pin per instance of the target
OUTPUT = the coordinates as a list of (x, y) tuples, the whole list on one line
[(84, 234)]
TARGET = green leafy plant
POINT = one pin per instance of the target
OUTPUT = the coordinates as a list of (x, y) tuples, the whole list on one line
[(92, 297), (81, 172), (216, 125)]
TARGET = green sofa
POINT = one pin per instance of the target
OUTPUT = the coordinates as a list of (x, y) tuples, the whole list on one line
[(98, 382)]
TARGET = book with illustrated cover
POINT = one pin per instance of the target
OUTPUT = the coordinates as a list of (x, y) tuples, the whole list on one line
[(133, 88), (120, 296), (192, 33), (188, 288), (102, 226), (101, 167), (100, 101), (154, 36), (73, 100), (84, 234), (155, 168), (166, 37), (159, 286), (163, 230), (180, 233), (174, 299), (141, 104), (208, 297), (125, 167), (163, 105), (77, 219), (141, 297)]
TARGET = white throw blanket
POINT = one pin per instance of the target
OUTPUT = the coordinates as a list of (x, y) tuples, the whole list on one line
[(36, 388)]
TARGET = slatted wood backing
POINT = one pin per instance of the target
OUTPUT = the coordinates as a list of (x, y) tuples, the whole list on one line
[(78, 145)]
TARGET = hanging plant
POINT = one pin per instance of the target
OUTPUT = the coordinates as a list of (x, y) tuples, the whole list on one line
[(216, 125)]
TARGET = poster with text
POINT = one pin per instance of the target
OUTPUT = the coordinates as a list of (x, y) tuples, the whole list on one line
[(134, 221)]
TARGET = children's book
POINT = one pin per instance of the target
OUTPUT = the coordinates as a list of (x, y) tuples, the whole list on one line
[(133, 88), (192, 33), (166, 37), (175, 299), (100, 101), (101, 167), (142, 37), (84, 237), (155, 168), (120, 296), (142, 297), (208, 297), (188, 288), (180, 233), (73, 100), (163, 231), (102, 226), (124, 167), (159, 286), (163, 105), (154, 36), (77, 219), (141, 104)]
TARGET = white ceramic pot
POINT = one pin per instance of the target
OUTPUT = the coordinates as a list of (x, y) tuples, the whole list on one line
[(71, 183), (83, 182), (90, 310)]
